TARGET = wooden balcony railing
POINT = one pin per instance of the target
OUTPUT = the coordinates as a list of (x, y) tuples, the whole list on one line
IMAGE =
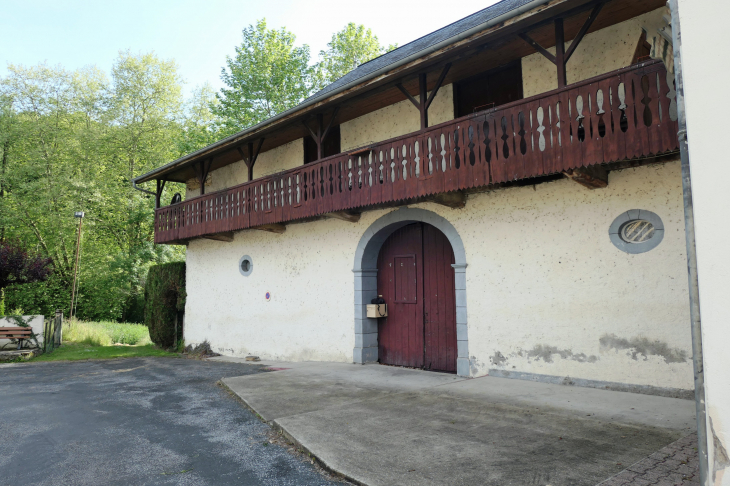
[(626, 114)]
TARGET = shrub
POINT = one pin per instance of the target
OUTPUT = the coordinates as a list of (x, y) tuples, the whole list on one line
[(164, 302)]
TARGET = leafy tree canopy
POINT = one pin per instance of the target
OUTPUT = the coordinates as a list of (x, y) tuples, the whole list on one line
[(72, 140), (350, 47), (268, 75)]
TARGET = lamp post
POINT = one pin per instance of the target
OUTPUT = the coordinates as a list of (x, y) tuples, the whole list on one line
[(80, 216)]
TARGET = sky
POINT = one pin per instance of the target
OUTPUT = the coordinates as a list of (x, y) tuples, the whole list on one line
[(197, 34)]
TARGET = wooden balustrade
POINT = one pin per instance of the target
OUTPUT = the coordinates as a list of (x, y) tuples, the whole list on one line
[(626, 114)]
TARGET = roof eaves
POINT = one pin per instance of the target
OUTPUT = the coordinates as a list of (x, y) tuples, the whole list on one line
[(521, 6)]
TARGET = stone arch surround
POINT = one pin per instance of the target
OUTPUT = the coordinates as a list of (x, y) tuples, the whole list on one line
[(366, 281)]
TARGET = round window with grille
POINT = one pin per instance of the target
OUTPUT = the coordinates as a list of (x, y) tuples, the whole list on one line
[(245, 265), (636, 231)]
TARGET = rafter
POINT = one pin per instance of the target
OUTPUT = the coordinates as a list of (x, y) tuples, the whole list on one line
[(425, 99), (440, 80), (561, 57), (583, 30), (538, 47), (408, 95)]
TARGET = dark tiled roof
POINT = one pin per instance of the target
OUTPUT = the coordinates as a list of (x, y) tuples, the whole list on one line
[(418, 45), (368, 69)]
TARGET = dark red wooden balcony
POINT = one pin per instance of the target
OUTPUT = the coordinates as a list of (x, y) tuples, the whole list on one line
[(624, 115)]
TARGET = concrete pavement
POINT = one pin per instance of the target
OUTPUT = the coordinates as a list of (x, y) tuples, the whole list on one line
[(381, 425)]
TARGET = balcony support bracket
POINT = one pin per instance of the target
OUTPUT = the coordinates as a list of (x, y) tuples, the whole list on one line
[(561, 57), (203, 170), (424, 101), (350, 217), (271, 228), (593, 177), (252, 156), (158, 192), (322, 131), (454, 200), (227, 237)]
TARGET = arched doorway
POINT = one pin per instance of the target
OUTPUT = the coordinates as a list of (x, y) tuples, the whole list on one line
[(366, 281), (416, 279)]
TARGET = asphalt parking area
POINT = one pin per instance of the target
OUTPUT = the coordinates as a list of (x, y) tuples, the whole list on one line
[(150, 421)]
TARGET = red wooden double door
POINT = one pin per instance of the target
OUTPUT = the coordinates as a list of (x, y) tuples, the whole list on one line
[(416, 279)]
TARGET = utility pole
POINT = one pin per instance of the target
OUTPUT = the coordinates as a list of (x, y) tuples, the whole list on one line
[(80, 216)]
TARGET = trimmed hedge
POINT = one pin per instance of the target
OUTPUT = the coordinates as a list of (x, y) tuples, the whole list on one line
[(164, 296)]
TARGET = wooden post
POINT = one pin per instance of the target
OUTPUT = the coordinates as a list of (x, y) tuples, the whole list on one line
[(158, 192), (425, 101), (252, 155), (76, 269), (318, 140), (58, 328), (423, 108), (560, 53)]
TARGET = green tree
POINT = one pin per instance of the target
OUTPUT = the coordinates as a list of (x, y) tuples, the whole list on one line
[(267, 76), (200, 124), (71, 140), (350, 47)]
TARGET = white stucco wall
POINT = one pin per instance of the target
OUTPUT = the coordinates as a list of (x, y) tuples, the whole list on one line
[(395, 120), (544, 285), (599, 52), (705, 78)]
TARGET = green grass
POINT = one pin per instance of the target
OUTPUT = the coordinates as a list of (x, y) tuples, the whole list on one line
[(103, 340), (75, 352), (105, 333)]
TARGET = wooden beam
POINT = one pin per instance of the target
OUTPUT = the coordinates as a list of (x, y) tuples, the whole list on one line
[(422, 94), (329, 124), (408, 95), (440, 80), (252, 156), (158, 192), (203, 173), (227, 237), (271, 228), (583, 30), (560, 53), (349, 216), (456, 199), (593, 177), (538, 47), (318, 140)]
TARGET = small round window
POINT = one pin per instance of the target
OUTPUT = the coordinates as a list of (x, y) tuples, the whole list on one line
[(245, 265), (636, 231)]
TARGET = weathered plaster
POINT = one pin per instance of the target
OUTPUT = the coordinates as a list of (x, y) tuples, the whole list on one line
[(395, 120), (641, 346), (544, 279), (599, 52), (549, 278)]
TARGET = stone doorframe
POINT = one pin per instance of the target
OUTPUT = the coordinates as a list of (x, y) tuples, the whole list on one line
[(366, 281)]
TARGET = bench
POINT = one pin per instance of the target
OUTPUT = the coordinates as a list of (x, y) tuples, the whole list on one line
[(19, 333)]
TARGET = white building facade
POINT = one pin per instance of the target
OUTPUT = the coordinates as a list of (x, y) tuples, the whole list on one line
[(547, 284)]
